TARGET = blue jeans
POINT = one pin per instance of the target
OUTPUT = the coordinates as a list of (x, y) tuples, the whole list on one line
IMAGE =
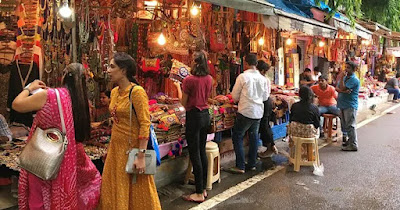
[(327, 110), (394, 91), (348, 123), (243, 124)]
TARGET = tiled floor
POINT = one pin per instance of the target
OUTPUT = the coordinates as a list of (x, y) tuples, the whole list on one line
[(6, 199)]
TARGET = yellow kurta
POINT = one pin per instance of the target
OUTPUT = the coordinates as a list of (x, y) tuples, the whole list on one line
[(117, 190)]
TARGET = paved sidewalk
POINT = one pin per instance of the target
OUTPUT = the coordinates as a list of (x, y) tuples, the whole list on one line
[(170, 196)]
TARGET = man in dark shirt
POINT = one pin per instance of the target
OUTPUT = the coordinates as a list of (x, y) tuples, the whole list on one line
[(392, 86), (306, 78)]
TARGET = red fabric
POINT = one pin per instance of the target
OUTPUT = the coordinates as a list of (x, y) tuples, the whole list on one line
[(198, 90), (325, 97), (217, 43), (77, 185), (149, 64)]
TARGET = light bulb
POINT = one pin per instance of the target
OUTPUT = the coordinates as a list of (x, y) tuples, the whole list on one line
[(150, 3), (65, 11), (161, 40), (321, 44), (289, 41), (367, 42), (261, 41), (194, 10)]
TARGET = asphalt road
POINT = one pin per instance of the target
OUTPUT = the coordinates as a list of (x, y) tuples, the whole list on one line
[(367, 179)]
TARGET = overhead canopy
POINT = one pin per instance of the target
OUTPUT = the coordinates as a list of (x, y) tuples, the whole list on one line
[(255, 6), (376, 28), (344, 24), (289, 22)]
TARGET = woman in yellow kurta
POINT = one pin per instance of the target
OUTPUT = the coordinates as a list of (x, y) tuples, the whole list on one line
[(117, 190)]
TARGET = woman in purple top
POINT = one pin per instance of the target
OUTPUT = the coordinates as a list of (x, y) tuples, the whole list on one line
[(196, 91)]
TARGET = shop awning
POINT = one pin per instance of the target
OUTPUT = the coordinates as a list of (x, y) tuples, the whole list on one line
[(344, 24), (376, 28), (256, 6), (290, 22)]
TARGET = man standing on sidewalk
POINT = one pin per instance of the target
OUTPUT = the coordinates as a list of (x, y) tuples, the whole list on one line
[(250, 91), (348, 88)]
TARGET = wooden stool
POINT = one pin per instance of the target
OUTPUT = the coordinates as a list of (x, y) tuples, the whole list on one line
[(297, 160), (213, 170), (328, 126)]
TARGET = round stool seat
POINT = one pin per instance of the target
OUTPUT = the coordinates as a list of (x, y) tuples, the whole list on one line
[(210, 145), (329, 115)]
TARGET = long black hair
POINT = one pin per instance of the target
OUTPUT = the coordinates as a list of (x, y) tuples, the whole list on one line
[(127, 63), (306, 95), (74, 80), (200, 67)]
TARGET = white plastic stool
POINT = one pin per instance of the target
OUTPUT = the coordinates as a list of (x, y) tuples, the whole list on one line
[(213, 170), (297, 160), (390, 97), (214, 159)]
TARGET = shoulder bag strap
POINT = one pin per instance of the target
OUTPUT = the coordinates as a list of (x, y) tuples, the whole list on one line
[(130, 115), (60, 110)]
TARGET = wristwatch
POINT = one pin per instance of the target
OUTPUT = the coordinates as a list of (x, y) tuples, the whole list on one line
[(142, 151)]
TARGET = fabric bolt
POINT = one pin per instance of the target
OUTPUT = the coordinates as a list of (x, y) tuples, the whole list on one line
[(4, 129), (242, 125), (197, 125), (117, 190), (326, 97), (251, 90), (199, 90), (78, 182), (348, 125), (349, 100), (305, 113)]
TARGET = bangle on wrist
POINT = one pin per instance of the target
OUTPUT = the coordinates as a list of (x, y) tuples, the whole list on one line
[(28, 90)]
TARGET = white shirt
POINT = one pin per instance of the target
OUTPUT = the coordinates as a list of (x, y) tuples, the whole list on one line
[(251, 90)]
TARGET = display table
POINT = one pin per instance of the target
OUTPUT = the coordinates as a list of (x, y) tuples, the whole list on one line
[(9, 153)]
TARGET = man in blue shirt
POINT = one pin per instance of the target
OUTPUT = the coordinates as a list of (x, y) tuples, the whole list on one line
[(347, 102)]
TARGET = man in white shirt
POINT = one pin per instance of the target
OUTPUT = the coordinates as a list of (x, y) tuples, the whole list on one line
[(250, 90)]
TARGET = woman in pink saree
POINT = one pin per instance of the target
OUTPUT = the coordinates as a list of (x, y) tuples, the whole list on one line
[(78, 182)]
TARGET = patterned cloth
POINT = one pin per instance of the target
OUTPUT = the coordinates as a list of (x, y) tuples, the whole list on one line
[(77, 185), (4, 129), (302, 130), (117, 191)]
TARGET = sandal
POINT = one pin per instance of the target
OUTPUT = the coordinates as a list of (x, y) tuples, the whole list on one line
[(188, 198), (235, 170)]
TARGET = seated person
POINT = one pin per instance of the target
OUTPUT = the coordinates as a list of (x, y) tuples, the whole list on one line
[(316, 74), (102, 112), (306, 78), (304, 115), (5, 133), (392, 86), (327, 96)]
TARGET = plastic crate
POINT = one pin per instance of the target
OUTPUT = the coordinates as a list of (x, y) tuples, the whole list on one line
[(279, 131)]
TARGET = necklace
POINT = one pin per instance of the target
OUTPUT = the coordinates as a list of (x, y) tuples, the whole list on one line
[(23, 81)]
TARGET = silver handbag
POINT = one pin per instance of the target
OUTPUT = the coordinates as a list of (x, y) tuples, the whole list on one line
[(43, 154), (150, 155)]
